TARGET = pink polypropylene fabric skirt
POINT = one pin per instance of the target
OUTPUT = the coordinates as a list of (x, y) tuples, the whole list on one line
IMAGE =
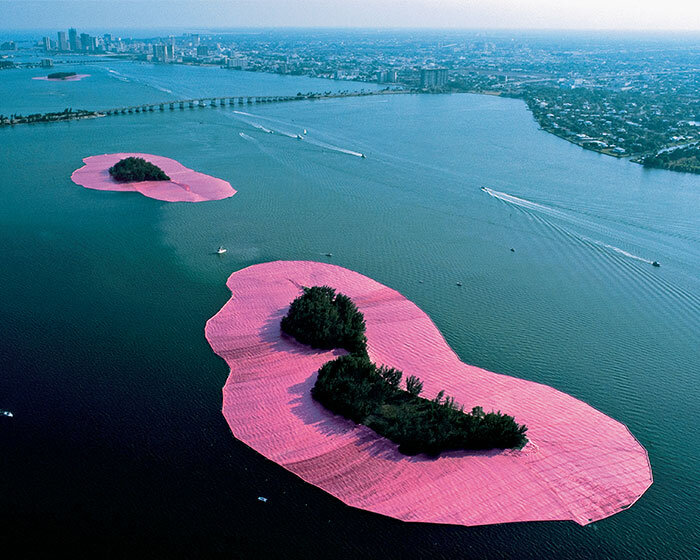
[(185, 185), (579, 465)]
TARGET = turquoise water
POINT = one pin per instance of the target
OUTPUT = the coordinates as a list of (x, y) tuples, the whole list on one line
[(118, 441)]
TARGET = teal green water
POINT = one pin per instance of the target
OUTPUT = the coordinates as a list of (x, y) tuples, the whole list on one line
[(118, 441)]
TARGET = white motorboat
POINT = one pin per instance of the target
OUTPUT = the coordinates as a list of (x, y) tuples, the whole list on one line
[(220, 251)]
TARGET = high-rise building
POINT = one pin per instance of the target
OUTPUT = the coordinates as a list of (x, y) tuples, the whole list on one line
[(47, 43), (62, 41), (85, 42), (387, 76), (159, 53), (202, 50), (73, 39), (433, 77)]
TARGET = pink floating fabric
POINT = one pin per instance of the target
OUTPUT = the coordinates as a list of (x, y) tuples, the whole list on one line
[(579, 465), (74, 78), (185, 185)]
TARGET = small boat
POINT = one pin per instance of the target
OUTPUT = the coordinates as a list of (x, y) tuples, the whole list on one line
[(220, 251), (459, 283), (329, 254), (655, 263), (262, 498), (363, 156), (305, 131), (300, 137), (512, 250), (6, 413)]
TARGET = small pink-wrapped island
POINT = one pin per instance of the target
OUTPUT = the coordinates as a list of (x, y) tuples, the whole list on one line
[(73, 78), (579, 464), (185, 185)]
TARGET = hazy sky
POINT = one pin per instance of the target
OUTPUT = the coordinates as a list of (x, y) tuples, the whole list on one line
[(468, 14)]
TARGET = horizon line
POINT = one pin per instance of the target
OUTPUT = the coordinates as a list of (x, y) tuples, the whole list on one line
[(386, 28)]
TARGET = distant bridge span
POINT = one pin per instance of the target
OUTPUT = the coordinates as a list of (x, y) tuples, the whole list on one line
[(237, 100)]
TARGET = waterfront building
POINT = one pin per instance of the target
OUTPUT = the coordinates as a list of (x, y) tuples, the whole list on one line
[(387, 76), (73, 39), (46, 63), (85, 42), (237, 63), (159, 53), (433, 77), (62, 43), (46, 41)]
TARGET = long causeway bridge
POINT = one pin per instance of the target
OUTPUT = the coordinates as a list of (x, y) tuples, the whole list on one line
[(232, 101), (235, 101)]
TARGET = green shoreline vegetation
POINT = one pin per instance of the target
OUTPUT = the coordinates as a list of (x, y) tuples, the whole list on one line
[(136, 169), (65, 115), (684, 158), (356, 388)]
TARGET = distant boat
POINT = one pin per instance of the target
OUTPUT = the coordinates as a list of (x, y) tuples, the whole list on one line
[(220, 251), (300, 137), (6, 413), (363, 156), (459, 283), (329, 254), (305, 131), (262, 498), (655, 263)]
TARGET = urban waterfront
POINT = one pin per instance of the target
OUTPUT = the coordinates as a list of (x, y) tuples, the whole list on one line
[(118, 441)]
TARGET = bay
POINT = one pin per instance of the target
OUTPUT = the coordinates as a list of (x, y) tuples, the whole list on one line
[(118, 442)]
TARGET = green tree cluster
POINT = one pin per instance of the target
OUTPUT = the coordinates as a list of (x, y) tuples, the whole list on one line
[(323, 319), (135, 169), (356, 388), (686, 158), (60, 75)]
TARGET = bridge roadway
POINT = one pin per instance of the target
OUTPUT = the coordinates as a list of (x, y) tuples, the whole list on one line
[(235, 100)]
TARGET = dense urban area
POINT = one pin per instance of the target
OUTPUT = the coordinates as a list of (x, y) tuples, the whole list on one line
[(627, 96)]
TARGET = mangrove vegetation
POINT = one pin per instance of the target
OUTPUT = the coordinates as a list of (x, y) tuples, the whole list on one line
[(356, 388), (136, 169)]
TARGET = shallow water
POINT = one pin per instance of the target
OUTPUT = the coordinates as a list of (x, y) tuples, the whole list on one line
[(118, 440)]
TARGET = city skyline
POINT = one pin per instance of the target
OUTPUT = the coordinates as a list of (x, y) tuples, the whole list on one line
[(673, 15)]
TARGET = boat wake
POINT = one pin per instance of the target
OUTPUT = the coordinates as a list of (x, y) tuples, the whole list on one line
[(118, 76), (295, 135), (543, 209)]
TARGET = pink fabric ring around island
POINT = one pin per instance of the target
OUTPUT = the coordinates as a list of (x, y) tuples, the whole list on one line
[(74, 78), (579, 464), (185, 185)]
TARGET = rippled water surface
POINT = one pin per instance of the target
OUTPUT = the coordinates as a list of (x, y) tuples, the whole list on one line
[(118, 441)]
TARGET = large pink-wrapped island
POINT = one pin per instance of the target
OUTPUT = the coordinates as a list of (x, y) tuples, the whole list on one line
[(579, 465), (185, 185)]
